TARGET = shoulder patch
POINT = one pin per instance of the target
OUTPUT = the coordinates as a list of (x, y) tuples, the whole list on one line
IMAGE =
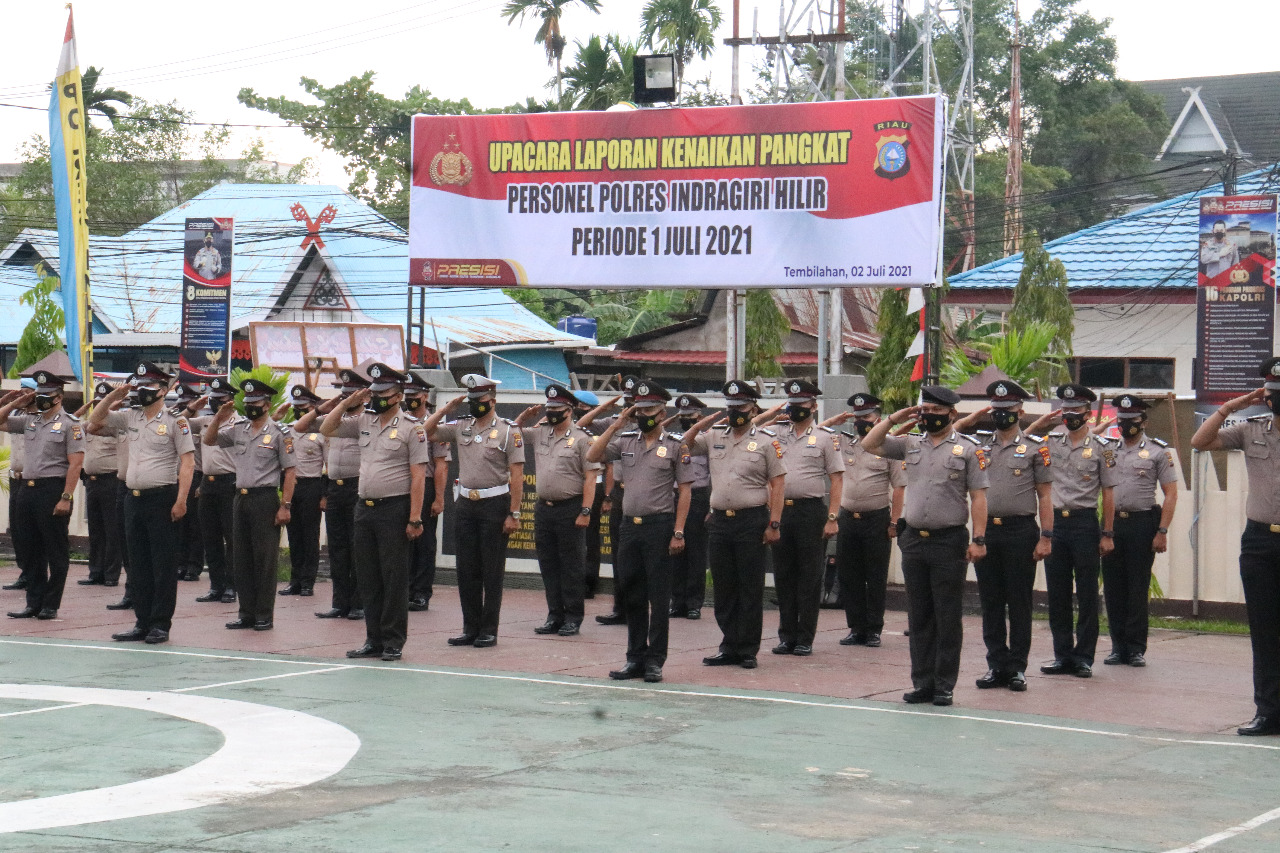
[(288, 444), (1158, 442), (685, 457), (982, 458), (183, 426), (421, 433), (76, 433), (1045, 456), (777, 446), (518, 438), (1109, 457)]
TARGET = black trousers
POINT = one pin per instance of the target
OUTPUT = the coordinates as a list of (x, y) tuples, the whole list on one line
[(643, 588), (256, 547), (799, 560), (153, 550), (591, 577), (1260, 576), (1074, 561), (122, 492), (1005, 580), (689, 573), (382, 565), (1126, 579), (862, 564), (737, 556), (422, 551), (304, 531), (191, 549), (340, 521), (482, 561), (561, 546), (217, 502), (105, 530), (615, 531), (18, 534), (934, 569), (48, 553)]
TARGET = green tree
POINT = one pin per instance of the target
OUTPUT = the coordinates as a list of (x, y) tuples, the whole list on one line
[(548, 35), (1042, 296), (601, 74), (766, 334), (889, 371), (100, 101), (43, 333), (685, 28), (1023, 354)]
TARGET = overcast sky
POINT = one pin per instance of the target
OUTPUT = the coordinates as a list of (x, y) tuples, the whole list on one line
[(202, 54)]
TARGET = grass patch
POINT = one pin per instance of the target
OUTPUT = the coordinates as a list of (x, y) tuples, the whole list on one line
[(1172, 623)]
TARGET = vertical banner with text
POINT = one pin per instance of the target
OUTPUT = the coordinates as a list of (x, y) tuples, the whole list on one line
[(206, 299)]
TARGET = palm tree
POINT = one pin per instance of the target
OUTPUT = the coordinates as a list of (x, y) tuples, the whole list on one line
[(686, 28), (100, 100), (548, 35), (601, 75)]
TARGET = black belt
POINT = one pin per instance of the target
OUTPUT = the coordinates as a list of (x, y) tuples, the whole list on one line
[(655, 518), (926, 532), (1001, 520), (1075, 513), (1136, 513), (346, 481), (220, 478), (1252, 526), (562, 502), (732, 513), (304, 479), (865, 513), (154, 490), (257, 490), (45, 481), (381, 501), (102, 476), (801, 501)]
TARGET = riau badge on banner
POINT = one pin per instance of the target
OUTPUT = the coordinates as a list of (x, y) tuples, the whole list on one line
[(206, 299), (839, 193)]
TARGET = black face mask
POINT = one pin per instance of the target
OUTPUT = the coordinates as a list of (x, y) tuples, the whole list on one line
[(1273, 402), (45, 402), (739, 419), (147, 396), (863, 427), (935, 423), (253, 411), (1131, 427), (299, 411), (411, 404), (556, 416), (1074, 421), (1004, 419), (647, 423), (479, 408), (798, 414), (378, 405), (686, 424)]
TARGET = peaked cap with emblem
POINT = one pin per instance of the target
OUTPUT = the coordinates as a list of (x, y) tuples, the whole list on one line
[(350, 379), (477, 385), (737, 392), (302, 394), (648, 391), (101, 390), (220, 386), (1130, 405), (48, 383), (1270, 372), (255, 390), (939, 396), (148, 372), (384, 377), (629, 384), (688, 404), (864, 404), (801, 391), (1075, 395), (416, 383), (559, 396), (1005, 394), (188, 391)]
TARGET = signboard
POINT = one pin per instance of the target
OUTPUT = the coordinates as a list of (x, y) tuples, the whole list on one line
[(838, 193), (311, 349), (206, 299), (1236, 295)]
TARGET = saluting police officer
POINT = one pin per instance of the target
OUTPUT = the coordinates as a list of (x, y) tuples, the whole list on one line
[(130, 401), (690, 566), (393, 473), (308, 492), (217, 496), (191, 547), (100, 482), (747, 492), (1083, 464), (1019, 533), (946, 482), (161, 460), (18, 535), (814, 484), (53, 454), (264, 453), (1141, 531), (422, 551), (1259, 438), (566, 486), (656, 505), (587, 401), (870, 506)]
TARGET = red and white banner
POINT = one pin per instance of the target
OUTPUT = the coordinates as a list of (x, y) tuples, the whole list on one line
[(838, 193)]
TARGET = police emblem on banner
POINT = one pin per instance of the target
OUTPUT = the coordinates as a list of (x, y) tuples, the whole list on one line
[(450, 166), (892, 159)]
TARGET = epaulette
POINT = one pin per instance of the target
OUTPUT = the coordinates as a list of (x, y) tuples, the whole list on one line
[(968, 437), (1102, 439), (826, 429), (768, 432), (1258, 419), (630, 434), (285, 429), (412, 419), (1157, 442), (985, 433), (1034, 439), (850, 434), (508, 421), (1056, 435), (70, 416), (678, 436)]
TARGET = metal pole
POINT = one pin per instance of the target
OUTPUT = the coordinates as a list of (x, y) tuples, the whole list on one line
[(730, 334), (735, 92), (1197, 485), (840, 48), (823, 367), (741, 357), (835, 337)]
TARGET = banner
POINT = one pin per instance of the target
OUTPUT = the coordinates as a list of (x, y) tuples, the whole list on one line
[(206, 299), (838, 193), (67, 154), (1236, 295)]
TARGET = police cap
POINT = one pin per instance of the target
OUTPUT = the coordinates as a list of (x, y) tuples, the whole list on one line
[(1006, 394), (738, 391), (939, 396), (801, 390), (384, 377), (1073, 395), (1270, 371), (350, 379), (416, 383), (559, 396), (648, 392), (301, 395), (864, 404), (477, 385), (149, 372), (1130, 405), (48, 383), (687, 404), (256, 390)]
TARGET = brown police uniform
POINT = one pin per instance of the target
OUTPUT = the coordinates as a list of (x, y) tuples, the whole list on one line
[(100, 507), (217, 518), (864, 546), (304, 515)]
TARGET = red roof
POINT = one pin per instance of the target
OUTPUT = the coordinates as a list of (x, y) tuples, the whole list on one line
[(682, 356)]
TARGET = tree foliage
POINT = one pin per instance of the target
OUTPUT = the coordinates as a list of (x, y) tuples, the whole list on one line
[(43, 332), (765, 334), (1023, 354), (100, 100), (601, 74), (889, 372), (548, 35), (1042, 296), (685, 28)]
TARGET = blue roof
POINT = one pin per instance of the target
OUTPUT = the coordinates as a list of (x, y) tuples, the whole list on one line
[(1151, 247)]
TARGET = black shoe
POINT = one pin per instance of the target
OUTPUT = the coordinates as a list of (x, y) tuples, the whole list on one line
[(1260, 726), (133, 635), (419, 604), (652, 673), (463, 640), (484, 641), (992, 679), (357, 613), (20, 583), (240, 623), (1115, 659), (1018, 683), (695, 613), (802, 650), (368, 650), (1059, 667), (125, 603), (90, 581), (1137, 659), (548, 627), (291, 589), (157, 635), (748, 662), (631, 669), (229, 597), (942, 698), (307, 591), (25, 613), (612, 619), (214, 595), (722, 659), (47, 613), (111, 583), (570, 629), (391, 653), (190, 575), (853, 638), (918, 697), (333, 613), (1083, 670), (872, 641), (263, 625), (675, 613), (783, 648)]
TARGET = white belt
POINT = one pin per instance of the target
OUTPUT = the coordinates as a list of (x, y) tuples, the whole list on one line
[(479, 494)]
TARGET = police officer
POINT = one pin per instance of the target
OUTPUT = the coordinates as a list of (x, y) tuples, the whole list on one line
[(422, 551), (19, 535), (129, 402), (689, 576), (870, 506), (566, 484), (587, 400), (1019, 532), (943, 468), (53, 454), (161, 460), (1083, 464), (814, 485), (393, 472), (1141, 531), (264, 454), (1259, 438), (217, 495), (655, 505), (490, 488), (100, 482), (191, 547), (747, 485), (308, 492)]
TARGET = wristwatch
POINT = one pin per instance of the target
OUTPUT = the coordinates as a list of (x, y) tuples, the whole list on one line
[(415, 523), (831, 516), (1110, 534), (1046, 534), (980, 540), (287, 504), (679, 534), (1163, 530), (585, 511), (516, 515), (774, 525), (67, 497)]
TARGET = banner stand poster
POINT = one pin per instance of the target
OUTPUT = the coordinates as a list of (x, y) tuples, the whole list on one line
[(206, 299)]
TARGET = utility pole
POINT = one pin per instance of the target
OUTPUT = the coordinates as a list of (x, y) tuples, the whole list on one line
[(1013, 173)]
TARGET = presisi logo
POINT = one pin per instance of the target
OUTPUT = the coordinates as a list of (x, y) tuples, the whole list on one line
[(466, 270)]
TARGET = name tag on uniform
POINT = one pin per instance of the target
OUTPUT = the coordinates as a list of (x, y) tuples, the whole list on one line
[(163, 429), (662, 452)]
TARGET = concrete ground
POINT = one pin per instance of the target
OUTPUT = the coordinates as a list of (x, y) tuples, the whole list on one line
[(234, 741)]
